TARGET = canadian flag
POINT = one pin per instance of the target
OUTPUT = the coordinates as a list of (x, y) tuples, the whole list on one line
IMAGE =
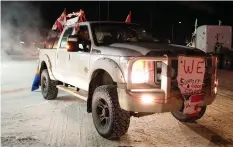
[(192, 106), (82, 18), (128, 18), (60, 22)]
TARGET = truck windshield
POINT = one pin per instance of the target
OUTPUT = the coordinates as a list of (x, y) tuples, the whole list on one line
[(109, 33)]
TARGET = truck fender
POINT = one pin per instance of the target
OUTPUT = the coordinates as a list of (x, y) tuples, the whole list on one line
[(45, 58), (109, 66)]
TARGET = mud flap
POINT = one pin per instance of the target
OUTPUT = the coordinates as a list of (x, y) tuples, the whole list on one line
[(36, 81)]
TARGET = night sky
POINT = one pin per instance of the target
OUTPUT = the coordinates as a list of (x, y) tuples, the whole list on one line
[(154, 15)]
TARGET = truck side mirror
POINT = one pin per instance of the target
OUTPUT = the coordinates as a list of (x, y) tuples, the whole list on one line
[(72, 43)]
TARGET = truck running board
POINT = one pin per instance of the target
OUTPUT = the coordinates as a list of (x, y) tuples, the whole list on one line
[(72, 91)]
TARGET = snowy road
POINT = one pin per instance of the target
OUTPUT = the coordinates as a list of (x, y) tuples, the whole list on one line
[(29, 120)]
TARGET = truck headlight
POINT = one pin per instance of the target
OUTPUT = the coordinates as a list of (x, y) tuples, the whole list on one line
[(140, 72)]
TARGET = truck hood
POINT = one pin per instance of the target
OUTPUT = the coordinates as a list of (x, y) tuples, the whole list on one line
[(138, 49)]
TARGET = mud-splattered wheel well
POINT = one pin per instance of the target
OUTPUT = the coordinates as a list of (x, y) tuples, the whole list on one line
[(99, 77)]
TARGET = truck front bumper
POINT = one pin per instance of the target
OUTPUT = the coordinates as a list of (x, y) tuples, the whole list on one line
[(163, 98), (154, 102)]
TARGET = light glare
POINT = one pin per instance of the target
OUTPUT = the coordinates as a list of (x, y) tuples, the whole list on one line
[(146, 99)]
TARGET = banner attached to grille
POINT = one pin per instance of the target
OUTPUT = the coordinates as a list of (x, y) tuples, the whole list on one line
[(191, 71)]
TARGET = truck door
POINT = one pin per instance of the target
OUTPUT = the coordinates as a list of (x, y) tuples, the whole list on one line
[(62, 56), (78, 62)]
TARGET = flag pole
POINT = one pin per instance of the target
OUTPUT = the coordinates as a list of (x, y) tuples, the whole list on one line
[(99, 10), (108, 11)]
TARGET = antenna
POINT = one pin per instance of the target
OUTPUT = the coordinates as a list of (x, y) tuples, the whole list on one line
[(99, 10), (108, 11), (219, 22), (193, 39), (195, 26), (151, 18)]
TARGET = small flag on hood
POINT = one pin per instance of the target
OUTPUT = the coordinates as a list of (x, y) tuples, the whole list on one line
[(128, 19), (36, 81), (60, 22)]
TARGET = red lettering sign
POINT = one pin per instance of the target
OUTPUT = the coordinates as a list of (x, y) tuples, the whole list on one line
[(190, 71), (198, 67)]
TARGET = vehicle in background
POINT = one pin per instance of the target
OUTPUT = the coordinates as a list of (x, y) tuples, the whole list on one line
[(216, 39)]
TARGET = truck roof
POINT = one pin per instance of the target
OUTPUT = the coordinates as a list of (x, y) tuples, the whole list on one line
[(109, 22), (102, 22)]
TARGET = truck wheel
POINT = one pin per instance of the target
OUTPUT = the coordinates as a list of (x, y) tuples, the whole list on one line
[(111, 122), (184, 118), (48, 86)]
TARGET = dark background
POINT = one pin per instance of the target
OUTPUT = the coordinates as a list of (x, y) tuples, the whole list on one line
[(155, 15)]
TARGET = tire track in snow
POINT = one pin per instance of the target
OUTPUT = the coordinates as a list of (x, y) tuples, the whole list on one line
[(14, 90)]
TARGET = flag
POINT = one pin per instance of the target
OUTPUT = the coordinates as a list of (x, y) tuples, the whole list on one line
[(82, 18), (193, 105), (36, 80), (60, 22), (128, 19)]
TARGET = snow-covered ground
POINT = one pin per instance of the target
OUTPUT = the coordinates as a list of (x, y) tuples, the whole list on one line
[(29, 120)]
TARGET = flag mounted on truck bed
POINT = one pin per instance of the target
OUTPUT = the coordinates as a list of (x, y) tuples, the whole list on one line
[(60, 22), (81, 18)]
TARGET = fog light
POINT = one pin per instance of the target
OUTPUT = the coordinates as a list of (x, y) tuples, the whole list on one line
[(147, 99)]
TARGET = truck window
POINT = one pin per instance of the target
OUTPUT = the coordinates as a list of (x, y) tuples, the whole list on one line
[(84, 39), (51, 40), (65, 37)]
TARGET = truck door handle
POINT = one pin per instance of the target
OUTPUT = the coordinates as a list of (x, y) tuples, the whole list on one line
[(57, 56), (69, 57)]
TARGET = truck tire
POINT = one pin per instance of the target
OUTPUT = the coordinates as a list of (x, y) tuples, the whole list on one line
[(110, 121), (184, 118), (48, 86)]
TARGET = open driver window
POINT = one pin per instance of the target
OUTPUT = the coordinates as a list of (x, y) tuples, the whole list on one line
[(65, 37), (84, 39)]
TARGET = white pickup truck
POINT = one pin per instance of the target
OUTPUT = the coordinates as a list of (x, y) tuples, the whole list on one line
[(121, 71)]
